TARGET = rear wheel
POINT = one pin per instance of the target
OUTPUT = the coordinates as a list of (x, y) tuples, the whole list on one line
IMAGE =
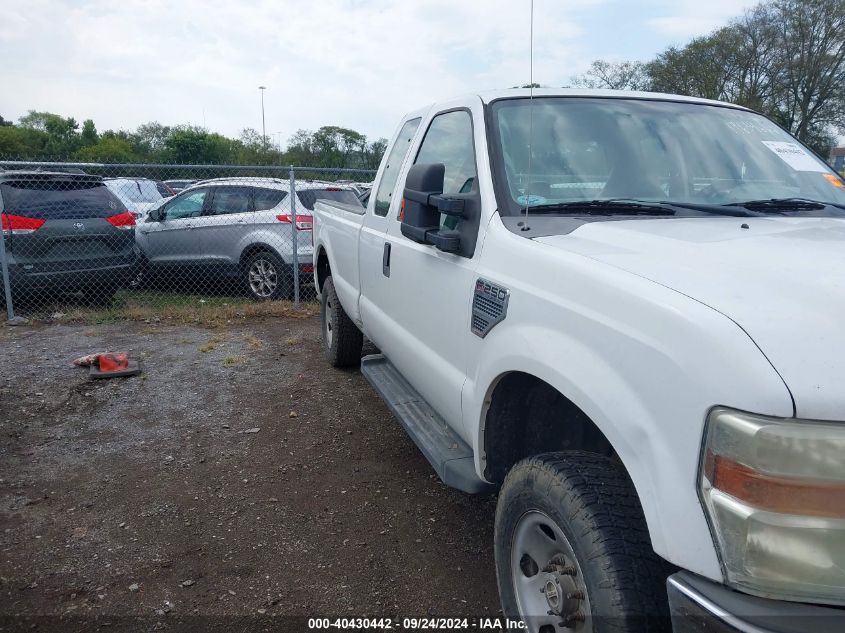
[(342, 340), (267, 277), (573, 551)]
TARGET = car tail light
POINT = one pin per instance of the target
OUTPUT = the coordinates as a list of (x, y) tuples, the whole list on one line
[(308, 268), (123, 221), (303, 222), (20, 225)]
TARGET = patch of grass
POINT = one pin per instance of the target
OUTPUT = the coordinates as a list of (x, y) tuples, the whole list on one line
[(170, 308), (231, 361), (211, 344), (253, 342), (293, 340)]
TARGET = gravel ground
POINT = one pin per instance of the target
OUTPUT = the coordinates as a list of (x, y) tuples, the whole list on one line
[(239, 482)]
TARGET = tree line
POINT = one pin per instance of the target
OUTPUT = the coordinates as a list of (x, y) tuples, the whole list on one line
[(784, 58), (49, 136)]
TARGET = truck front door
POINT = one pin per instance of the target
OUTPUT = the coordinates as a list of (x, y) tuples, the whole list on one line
[(427, 310)]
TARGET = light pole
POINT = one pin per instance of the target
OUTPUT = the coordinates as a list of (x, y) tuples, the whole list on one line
[(263, 128)]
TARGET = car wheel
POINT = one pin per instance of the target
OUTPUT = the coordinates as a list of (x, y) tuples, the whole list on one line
[(267, 277), (140, 277), (573, 551), (342, 340)]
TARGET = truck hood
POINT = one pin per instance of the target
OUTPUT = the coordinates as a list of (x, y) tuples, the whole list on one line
[(782, 280)]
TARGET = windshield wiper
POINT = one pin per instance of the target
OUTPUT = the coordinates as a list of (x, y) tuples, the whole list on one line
[(784, 204), (609, 206), (632, 206)]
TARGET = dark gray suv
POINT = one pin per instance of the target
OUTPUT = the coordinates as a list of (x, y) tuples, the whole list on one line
[(65, 232)]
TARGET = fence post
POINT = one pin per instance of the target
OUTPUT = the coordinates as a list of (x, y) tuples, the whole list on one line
[(293, 237), (7, 285)]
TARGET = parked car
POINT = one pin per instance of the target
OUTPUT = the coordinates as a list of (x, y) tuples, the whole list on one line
[(139, 195), (179, 184), (165, 190), (623, 311), (235, 228), (65, 232)]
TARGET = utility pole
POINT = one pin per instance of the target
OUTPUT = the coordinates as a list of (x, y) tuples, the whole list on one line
[(263, 127)]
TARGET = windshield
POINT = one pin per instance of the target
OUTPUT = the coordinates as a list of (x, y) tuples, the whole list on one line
[(135, 191), (594, 149)]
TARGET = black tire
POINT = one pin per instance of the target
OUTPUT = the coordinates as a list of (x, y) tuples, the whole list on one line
[(342, 340), (141, 277), (592, 501), (276, 282)]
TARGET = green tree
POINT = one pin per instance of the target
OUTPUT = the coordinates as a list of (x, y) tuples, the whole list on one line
[(190, 144), (89, 135), (108, 149), (18, 143)]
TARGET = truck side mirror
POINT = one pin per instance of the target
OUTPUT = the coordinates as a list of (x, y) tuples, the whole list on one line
[(422, 205)]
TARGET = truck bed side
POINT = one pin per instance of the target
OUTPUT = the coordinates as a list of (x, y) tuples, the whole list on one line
[(337, 227)]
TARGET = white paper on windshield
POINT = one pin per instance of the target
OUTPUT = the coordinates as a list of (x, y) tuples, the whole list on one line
[(795, 156)]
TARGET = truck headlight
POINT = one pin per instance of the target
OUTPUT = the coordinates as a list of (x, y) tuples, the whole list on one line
[(774, 490)]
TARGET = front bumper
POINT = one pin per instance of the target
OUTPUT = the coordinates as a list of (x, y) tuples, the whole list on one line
[(702, 606)]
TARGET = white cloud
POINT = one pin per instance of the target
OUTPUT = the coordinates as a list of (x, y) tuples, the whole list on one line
[(358, 63), (684, 19)]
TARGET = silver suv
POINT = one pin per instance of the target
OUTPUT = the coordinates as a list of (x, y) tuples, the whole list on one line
[(235, 228)]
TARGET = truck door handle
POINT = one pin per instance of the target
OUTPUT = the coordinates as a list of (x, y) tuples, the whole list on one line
[(385, 260)]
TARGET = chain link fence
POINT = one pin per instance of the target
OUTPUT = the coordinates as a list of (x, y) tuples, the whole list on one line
[(104, 236)]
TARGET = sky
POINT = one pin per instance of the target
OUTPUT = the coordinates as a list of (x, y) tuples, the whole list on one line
[(360, 64)]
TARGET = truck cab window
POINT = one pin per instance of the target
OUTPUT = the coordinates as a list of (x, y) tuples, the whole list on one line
[(394, 163), (449, 141)]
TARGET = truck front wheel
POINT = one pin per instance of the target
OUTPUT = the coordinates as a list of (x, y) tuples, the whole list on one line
[(342, 340), (573, 551)]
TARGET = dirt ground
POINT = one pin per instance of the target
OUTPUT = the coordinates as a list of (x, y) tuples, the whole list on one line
[(240, 483)]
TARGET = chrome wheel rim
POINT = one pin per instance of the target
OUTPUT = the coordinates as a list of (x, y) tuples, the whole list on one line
[(548, 584), (329, 318), (263, 278)]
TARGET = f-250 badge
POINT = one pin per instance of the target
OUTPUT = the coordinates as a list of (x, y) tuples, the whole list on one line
[(489, 306)]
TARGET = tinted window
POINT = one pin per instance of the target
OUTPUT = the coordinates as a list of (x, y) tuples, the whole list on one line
[(265, 199), (228, 200), (163, 189), (394, 163), (134, 191), (449, 141), (188, 205), (309, 196), (59, 199)]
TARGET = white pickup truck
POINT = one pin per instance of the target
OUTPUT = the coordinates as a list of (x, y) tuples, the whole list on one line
[(624, 312)]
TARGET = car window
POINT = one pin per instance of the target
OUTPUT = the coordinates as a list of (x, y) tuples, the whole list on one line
[(448, 140), (394, 163), (309, 196), (188, 205), (228, 200), (265, 199), (54, 199)]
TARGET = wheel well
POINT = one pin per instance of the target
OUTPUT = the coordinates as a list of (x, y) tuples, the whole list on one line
[(257, 247), (527, 417), (323, 269)]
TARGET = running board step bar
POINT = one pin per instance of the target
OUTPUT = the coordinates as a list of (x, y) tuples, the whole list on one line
[(450, 456)]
